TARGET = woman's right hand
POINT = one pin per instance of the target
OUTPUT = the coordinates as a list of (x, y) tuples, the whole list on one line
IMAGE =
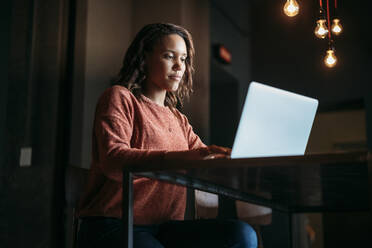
[(201, 153)]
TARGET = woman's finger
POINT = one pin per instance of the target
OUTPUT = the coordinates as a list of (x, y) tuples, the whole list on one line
[(216, 156), (219, 149)]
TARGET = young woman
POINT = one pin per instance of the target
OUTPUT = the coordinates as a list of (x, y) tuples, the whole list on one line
[(138, 122)]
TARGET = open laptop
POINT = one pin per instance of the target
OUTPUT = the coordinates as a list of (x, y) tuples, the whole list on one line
[(274, 122)]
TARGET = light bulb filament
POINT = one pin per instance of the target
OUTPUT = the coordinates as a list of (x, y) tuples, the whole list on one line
[(291, 8), (336, 27), (321, 29), (330, 60)]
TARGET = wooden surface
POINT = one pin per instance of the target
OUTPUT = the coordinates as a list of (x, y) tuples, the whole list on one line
[(311, 183), (332, 158)]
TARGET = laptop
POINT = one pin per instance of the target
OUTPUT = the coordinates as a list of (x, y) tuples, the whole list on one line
[(274, 122)]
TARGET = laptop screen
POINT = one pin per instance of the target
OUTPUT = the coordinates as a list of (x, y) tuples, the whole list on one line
[(274, 122)]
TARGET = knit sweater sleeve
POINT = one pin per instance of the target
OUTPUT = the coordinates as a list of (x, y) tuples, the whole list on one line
[(113, 128)]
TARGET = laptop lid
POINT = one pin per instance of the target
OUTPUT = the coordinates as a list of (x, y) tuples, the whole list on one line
[(274, 122)]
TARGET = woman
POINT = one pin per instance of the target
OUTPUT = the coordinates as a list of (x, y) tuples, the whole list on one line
[(138, 122)]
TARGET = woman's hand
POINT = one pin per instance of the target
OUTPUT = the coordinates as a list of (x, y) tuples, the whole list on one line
[(208, 152)]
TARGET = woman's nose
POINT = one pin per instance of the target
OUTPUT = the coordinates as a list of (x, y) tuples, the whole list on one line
[(177, 65)]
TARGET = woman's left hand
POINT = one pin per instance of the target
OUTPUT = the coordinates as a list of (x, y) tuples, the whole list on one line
[(207, 152), (216, 152)]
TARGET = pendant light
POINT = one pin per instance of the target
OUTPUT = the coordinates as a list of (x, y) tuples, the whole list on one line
[(291, 8), (321, 29), (330, 59), (336, 23)]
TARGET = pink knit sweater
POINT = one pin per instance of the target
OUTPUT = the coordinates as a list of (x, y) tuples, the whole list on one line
[(129, 130)]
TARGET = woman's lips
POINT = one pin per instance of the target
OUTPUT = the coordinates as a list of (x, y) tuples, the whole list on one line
[(175, 77)]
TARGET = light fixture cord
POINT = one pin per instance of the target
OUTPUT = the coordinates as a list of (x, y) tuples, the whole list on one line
[(321, 3), (329, 23), (336, 12)]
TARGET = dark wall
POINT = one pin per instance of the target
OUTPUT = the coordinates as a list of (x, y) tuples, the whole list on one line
[(224, 106), (5, 32), (14, 118), (230, 26), (34, 107)]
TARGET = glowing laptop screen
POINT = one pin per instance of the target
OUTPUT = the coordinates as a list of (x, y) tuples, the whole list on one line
[(274, 122)]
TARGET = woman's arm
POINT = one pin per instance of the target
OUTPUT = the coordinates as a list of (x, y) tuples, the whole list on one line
[(115, 153), (113, 130), (113, 148)]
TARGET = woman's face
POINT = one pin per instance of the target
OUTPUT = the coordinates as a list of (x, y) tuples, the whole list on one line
[(166, 64)]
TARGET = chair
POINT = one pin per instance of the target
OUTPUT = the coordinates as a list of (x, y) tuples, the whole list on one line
[(75, 180)]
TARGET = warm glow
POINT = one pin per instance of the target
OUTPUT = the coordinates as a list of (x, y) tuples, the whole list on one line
[(321, 30), (330, 60), (336, 27), (291, 8)]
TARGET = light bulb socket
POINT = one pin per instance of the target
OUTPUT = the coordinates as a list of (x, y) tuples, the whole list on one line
[(321, 15), (331, 45)]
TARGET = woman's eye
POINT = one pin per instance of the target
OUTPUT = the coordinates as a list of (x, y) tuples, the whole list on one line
[(168, 56)]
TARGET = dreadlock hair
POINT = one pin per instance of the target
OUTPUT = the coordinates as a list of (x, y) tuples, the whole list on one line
[(132, 75)]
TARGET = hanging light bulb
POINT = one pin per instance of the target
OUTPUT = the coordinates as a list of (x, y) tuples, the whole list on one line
[(336, 26), (330, 59), (291, 8), (321, 30)]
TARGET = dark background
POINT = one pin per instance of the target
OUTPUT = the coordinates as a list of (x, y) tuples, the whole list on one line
[(37, 66)]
